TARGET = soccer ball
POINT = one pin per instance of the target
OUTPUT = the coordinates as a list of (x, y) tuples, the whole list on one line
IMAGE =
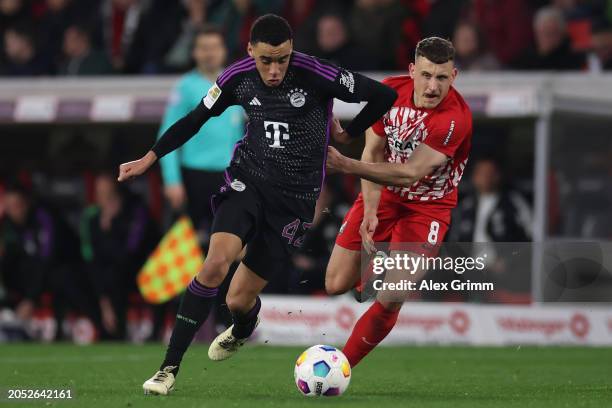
[(322, 370)]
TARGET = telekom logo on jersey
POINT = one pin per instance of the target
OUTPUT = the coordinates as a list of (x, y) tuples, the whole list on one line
[(276, 131)]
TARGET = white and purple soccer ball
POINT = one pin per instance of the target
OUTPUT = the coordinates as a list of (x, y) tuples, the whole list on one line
[(322, 370)]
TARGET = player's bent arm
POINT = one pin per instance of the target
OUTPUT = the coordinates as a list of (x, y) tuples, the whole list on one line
[(373, 152), (379, 98), (422, 162)]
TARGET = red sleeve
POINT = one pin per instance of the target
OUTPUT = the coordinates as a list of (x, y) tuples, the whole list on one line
[(448, 131), (379, 127)]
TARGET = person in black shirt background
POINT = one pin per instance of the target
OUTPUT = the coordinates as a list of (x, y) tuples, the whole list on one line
[(117, 235), (39, 254)]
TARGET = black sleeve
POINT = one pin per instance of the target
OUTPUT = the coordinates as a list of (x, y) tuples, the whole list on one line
[(213, 104), (353, 87), (380, 98)]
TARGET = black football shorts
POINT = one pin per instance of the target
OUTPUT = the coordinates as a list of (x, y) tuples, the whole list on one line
[(270, 222)]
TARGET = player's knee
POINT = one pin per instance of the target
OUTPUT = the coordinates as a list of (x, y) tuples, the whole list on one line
[(335, 286), (335, 280), (238, 302), (214, 270), (333, 289)]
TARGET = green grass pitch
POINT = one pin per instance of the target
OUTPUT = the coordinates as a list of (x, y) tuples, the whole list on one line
[(111, 375)]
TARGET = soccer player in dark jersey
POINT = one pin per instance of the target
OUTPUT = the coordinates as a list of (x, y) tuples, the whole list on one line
[(273, 180)]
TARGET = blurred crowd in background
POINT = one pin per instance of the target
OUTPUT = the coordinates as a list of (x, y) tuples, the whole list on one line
[(72, 240), (99, 37)]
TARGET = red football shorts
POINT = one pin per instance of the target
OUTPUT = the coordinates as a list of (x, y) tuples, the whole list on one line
[(399, 221)]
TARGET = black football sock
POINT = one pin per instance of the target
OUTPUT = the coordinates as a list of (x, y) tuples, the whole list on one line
[(244, 323), (192, 312)]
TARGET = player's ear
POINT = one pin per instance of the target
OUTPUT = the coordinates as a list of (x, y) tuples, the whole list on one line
[(250, 50), (411, 70), (454, 74)]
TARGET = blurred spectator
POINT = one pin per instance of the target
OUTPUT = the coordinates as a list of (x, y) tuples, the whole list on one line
[(179, 56), (492, 213), (117, 25), (442, 17), (297, 12), (236, 17), (194, 172), (602, 46), (117, 236), (334, 44), (552, 49), (412, 30), (376, 27), (470, 52), (173, 24), (21, 53), (23, 274), (80, 58), (59, 14), (506, 25), (156, 36), (11, 13), (38, 253), (594, 10)]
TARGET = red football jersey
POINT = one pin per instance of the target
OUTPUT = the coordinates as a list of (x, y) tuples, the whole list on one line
[(446, 128)]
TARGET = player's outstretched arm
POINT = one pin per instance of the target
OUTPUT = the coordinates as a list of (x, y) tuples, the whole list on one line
[(422, 162), (213, 104), (173, 138), (137, 167)]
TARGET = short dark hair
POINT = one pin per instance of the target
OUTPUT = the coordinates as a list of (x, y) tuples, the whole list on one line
[(270, 29), (209, 29), (436, 49)]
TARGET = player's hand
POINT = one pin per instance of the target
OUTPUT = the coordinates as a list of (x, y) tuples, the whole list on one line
[(366, 230), (176, 195), (335, 160), (136, 167), (339, 133)]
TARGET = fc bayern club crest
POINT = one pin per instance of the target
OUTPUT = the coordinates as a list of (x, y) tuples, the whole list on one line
[(297, 97), (237, 185)]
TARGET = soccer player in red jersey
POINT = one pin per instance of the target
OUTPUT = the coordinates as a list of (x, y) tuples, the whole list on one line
[(412, 162)]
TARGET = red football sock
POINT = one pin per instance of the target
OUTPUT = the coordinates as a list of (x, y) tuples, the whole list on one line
[(370, 329)]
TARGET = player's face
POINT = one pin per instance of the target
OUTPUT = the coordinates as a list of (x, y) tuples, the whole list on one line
[(209, 52), (271, 61), (431, 81)]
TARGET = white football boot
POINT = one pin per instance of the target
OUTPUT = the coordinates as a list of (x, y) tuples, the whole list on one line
[(161, 383), (226, 345)]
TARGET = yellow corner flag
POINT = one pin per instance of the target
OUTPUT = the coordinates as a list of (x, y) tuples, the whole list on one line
[(175, 261)]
